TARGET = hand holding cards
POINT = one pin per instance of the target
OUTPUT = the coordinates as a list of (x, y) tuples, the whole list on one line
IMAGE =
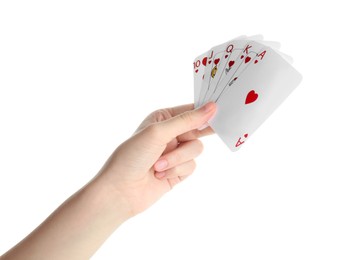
[(248, 78)]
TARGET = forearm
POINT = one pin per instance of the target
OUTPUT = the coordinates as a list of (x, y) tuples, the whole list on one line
[(77, 228), (128, 184)]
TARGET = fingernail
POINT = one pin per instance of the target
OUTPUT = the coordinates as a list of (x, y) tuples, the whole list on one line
[(159, 175), (208, 107), (161, 164)]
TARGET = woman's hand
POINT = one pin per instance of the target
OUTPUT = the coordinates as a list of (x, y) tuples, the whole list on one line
[(158, 156)]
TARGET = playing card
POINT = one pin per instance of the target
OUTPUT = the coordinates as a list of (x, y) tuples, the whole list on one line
[(215, 57), (235, 67), (200, 63), (198, 69), (250, 53), (234, 48), (244, 107), (288, 58)]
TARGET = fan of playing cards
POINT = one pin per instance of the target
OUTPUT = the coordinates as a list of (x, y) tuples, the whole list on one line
[(248, 78)]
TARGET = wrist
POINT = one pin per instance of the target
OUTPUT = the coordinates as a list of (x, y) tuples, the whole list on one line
[(110, 199)]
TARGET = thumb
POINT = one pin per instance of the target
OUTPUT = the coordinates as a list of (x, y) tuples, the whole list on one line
[(186, 122)]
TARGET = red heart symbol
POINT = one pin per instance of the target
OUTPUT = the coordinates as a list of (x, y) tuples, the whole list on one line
[(251, 97), (209, 61), (256, 61), (226, 56), (246, 135), (247, 59), (230, 64), (216, 61), (204, 61), (196, 70)]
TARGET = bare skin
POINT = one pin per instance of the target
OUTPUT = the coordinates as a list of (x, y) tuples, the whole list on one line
[(158, 156)]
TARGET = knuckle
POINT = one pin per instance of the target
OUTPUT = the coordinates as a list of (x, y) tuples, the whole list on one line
[(187, 117), (160, 115), (153, 130)]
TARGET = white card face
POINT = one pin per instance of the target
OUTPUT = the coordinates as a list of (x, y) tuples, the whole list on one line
[(243, 60), (244, 107), (214, 58), (276, 46), (232, 51), (222, 53), (198, 71)]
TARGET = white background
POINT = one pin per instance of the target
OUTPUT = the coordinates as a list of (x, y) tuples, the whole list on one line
[(77, 77)]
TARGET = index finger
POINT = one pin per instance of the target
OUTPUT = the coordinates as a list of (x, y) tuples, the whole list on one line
[(195, 134)]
